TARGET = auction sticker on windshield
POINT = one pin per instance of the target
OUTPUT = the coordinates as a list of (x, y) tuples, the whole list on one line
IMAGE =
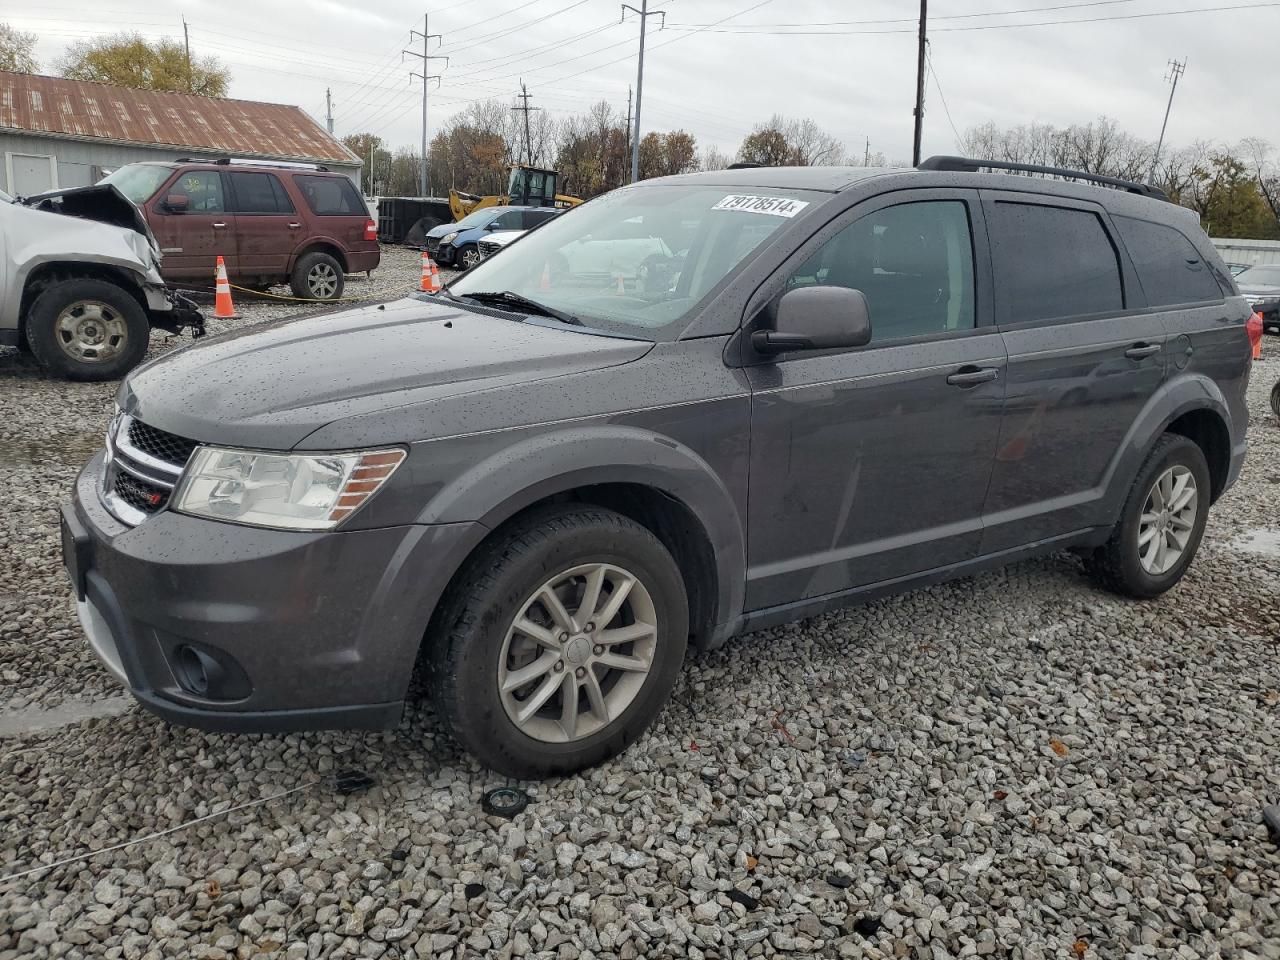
[(774, 206)]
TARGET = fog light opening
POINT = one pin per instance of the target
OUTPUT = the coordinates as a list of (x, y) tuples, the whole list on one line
[(193, 670)]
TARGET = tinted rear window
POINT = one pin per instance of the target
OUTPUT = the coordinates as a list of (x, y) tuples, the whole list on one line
[(1169, 266), (1053, 262), (259, 193), (331, 196)]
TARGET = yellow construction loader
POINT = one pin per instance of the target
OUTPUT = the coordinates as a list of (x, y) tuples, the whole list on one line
[(526, 187)]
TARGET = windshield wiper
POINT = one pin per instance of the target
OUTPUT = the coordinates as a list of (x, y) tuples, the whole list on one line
[(519, 300)]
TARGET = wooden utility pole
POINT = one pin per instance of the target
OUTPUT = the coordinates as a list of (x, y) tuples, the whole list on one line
[(524, 108), (924, 40), (186, 40), (1176, 69), (644, 15)]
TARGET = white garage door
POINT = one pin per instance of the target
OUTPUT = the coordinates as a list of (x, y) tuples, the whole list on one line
[(30, 174)]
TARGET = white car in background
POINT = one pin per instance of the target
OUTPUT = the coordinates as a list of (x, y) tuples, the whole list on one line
[(497, 240)]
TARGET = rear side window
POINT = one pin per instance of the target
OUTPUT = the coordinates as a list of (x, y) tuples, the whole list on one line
[(1169, 266), (1053, 262), (331, 196), (259, 193)]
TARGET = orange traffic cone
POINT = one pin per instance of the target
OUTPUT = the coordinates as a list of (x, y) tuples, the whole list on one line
[(622, 286), (545, 282), (430, 274), (223, 308)]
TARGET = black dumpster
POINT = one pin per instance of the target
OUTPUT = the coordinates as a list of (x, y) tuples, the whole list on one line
[(398, 216)]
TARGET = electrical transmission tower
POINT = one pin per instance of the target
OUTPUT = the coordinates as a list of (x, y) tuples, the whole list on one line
[(644, 15), (427, 36)]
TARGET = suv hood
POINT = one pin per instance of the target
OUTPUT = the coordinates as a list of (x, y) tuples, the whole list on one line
[(104, 203), (271, 386)]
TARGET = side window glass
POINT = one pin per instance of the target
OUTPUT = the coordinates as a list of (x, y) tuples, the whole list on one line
[(913, 262), (1053, 262), (1168, 264), (283, 203), (203, 190), (253, 192)]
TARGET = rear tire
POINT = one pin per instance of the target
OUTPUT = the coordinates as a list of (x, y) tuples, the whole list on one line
[(87, 330), (618, 686), (317, 276), (1275, 398), (1158, 533)]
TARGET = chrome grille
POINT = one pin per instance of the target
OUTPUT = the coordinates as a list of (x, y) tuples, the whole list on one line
[(141, 468)]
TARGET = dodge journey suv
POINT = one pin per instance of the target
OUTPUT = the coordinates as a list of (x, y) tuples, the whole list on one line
[(546, 483)]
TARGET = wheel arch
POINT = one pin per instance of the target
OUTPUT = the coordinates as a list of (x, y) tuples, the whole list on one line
[(659, 483), (49, 273), (320, 245), (1193, 407)]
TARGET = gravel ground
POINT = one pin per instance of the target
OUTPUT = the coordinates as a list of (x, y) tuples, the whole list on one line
[(1009, 765)]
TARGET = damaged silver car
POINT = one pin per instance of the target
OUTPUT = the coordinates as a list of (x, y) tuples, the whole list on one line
[(80, 283)]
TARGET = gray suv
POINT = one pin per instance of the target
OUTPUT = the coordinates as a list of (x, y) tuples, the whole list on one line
[(690, 408)]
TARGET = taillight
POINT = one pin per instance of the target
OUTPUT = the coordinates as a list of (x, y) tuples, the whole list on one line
[(371, 230), (1254, 328)]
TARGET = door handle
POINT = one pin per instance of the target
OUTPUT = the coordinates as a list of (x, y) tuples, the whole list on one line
[(1140, 351), (971, 376), (294, 226), (219, 226)]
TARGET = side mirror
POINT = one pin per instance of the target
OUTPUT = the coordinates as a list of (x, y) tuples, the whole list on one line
[(177, 202), (816, 318), (491, 225)]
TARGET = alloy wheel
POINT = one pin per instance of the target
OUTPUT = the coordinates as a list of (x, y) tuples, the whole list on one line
[(322, 281), (577, 653), (470, 258), (1167, 521), (90, 331)]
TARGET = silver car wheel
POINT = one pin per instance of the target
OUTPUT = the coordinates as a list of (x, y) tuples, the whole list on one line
[(322, 281), (1167, 521), (577, 653), (90, 331), (470, 258)]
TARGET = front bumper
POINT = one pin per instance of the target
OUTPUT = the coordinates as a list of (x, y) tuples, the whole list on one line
[(307, 630)]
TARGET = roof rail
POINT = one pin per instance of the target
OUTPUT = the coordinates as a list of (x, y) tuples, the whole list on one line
[(248, 161), (968, 165)]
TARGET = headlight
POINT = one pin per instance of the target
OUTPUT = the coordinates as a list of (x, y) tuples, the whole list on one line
[(449, 237), (287, 491)]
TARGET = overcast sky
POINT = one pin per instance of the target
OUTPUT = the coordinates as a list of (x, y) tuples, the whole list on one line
[(754, 58)]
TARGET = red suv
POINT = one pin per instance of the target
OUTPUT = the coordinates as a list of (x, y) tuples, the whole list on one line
[(270, 222)]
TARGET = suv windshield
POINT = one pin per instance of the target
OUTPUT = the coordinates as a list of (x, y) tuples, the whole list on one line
[(138, 181), (638, 260), (1267, 274)]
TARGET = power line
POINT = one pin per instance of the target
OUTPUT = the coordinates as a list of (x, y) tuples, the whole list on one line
[(943, 97), (743, 27), (995, 26)]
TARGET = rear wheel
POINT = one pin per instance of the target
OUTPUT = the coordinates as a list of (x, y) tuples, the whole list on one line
[(1162, 524), (317, 276), (87, 330), (562, 643), (1275, 398)]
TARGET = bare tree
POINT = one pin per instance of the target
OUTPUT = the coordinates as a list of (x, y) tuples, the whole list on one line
[(713, 158)]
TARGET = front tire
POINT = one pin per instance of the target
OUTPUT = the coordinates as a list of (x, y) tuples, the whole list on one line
[(317, 276), (467, 257), (87, 330), (1161, 525), (561, 643)]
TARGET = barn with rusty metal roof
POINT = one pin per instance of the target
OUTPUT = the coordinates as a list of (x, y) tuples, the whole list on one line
[(58, 133)]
